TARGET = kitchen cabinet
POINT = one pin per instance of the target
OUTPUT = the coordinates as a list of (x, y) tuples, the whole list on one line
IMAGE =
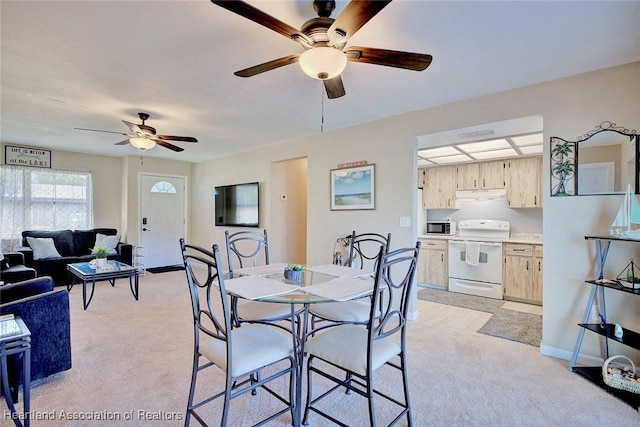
[(605, 329), (467, 176), (422, 173), (537, 271), (433, 262), (491, 175), (522, 272), (523, 182), (480, 175), (439, 188)]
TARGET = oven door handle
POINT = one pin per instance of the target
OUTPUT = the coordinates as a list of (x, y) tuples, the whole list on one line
[(463, 242)]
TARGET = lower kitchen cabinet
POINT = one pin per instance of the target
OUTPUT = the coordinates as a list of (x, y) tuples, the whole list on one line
[(522, 272), (433, 262)]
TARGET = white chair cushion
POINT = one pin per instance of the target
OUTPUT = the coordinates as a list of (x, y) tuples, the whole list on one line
[(346, 346), (254, 346), (255, 310), (347, 311)]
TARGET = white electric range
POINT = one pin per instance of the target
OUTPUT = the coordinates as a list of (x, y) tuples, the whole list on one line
[(475, 257)]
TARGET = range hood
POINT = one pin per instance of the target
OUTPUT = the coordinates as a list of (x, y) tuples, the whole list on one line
[(493, 194)]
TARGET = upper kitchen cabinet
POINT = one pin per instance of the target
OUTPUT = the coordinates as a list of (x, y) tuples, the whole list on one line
[(422, 173), (467, 176), (439, 188), (480, 176), (492, 175), (523, 182)]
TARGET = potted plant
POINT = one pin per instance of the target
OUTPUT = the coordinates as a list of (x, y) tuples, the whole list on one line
[(293, 272), (101, 256)]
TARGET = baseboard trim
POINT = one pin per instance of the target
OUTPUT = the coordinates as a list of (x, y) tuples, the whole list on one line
[(563, 354)]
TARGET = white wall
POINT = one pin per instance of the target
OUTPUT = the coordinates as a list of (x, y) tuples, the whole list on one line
[(570, 107)]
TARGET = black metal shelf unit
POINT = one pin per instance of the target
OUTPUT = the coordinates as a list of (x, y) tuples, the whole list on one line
[(629, 338)]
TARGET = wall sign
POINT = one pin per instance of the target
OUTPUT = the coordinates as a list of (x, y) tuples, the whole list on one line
[(352, 164), (27, 156)]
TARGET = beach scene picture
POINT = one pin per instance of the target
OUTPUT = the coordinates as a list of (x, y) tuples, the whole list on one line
[(353, 188)]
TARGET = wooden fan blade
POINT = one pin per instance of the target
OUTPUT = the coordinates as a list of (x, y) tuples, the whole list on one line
[(268, 66), (176, 138), (389, 58), (134, 127), (167, 145), (123, 142), (334, 87), (105, 131), (259, 17), (354, 16)]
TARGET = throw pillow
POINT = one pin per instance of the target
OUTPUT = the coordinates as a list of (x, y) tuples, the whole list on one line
[(109, 242), (43, 247)]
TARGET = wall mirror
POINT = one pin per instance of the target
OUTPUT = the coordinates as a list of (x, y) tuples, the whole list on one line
[(602, 161)]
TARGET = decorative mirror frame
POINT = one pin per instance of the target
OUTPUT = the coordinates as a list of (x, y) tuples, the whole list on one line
[(564, 159)]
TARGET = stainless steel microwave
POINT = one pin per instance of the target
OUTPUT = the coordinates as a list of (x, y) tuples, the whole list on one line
[(441, 227)]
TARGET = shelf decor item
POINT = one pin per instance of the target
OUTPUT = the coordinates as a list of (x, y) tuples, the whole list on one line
[(629, 277), (293, 272), (628, 217), (622, 377)]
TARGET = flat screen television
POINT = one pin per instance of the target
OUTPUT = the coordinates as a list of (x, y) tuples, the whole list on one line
[(238, 205)]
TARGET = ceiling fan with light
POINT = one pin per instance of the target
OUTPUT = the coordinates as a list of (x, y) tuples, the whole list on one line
[(324, 40), (144, 137)]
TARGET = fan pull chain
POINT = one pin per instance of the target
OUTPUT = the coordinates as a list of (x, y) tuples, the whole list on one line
[(322, 114)]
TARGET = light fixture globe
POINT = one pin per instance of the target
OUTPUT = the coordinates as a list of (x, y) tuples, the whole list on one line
[(323, 62), (142, 144)]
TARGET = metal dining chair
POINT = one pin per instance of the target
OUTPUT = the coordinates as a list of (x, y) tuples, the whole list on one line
[(239, 352), (249, 249), (356, 352), (362, 253)]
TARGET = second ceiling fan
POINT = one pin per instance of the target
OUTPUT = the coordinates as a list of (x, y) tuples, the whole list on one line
[(324, 40), (144, 137)]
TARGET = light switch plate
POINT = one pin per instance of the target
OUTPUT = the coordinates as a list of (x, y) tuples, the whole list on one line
[(405, 221)]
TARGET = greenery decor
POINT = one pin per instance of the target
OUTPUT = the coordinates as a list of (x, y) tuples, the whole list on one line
[(99, 252), (293, 272)]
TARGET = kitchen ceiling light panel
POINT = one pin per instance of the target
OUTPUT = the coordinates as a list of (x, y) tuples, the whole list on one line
[(496, 154), (475, 147), (524, 140), (451, 159), (438, 152), (532, 149)]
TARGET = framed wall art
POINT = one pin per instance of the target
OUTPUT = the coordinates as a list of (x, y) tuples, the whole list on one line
[(353, 188)]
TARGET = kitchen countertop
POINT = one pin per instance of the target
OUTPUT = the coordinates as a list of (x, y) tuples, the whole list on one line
[(526, 238)]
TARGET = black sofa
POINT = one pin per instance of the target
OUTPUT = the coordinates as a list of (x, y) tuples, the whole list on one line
[(45, 311), (73, 246)]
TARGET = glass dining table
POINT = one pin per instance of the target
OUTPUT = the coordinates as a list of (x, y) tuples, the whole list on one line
[(338, 281)]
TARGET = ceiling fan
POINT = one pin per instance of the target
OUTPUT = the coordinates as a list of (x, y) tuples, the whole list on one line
[(144, 137), (324, 40)]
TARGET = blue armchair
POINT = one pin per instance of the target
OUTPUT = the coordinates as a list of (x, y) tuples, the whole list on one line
[(45, 311)]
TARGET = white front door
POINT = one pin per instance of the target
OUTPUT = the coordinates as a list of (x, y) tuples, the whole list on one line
[(162, 221)]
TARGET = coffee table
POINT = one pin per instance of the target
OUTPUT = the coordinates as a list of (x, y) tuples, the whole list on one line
[(113, 270)]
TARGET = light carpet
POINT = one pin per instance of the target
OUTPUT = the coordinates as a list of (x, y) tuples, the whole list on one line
[(133, 359)]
